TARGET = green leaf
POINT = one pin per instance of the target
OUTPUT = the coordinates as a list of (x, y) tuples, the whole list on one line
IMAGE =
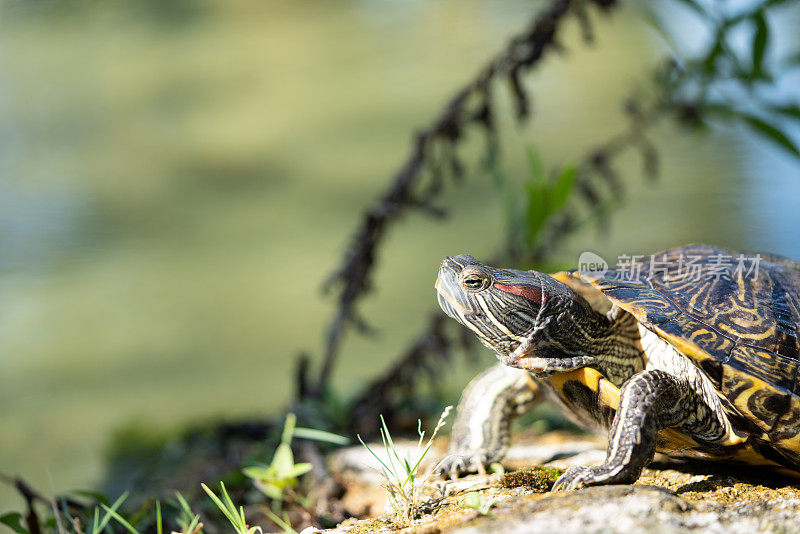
[(771, 133), (283, 461), (790, 110), (159, 526), (282, 523), (107, 517), (374, 455), (301, 469), (288, 429), (272, 491), (230, 514), (561, 189), (13, 520), (320, 435), (760, 41), (536, 170), (121, 520), (193, 524), (184, 505), (388, 435), (229, 503), (537, 211), (389, 447), (95, 521), (258, 472)]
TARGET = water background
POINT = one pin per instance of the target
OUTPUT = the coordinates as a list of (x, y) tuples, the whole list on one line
[(178, 178)]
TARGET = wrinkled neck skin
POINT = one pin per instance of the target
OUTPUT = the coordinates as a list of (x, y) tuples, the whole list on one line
[(569, 334)]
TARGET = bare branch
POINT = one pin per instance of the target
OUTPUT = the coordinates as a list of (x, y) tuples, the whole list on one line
[(471, 105)]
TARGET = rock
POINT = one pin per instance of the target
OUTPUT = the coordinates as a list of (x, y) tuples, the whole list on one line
[(631, 509), (670, 497), (603, 509)]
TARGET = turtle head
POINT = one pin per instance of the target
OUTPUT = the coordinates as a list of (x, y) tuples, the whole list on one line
[(500, 306), (528, 318)]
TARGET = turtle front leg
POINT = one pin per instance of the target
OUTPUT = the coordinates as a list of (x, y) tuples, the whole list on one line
[(650, 401), (489, 403)]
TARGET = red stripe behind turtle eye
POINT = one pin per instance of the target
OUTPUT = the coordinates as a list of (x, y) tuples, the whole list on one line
[(530, 293)]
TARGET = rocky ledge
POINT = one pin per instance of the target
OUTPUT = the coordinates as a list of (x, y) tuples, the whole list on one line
[(669, 497)]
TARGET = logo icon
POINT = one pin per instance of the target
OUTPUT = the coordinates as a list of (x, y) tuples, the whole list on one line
[(589, 262)]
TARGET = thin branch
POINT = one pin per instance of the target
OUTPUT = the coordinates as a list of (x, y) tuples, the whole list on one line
[(31, 495), (471, 105)]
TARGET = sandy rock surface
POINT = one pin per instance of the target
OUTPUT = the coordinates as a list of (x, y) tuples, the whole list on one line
[(669, 497)]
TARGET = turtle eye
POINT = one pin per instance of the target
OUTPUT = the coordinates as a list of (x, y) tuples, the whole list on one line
[(474, 282)]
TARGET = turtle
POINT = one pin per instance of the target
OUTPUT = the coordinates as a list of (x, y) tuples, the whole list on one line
[(693, 354)]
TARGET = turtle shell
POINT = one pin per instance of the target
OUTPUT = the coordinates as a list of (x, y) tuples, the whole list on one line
[(738, 324)]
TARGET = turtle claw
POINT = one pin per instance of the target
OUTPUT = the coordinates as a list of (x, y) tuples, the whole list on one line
[(465, 462), (577, 477)]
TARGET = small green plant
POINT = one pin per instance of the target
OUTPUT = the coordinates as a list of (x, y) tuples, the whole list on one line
[(529, 206), (102, 516), (188, 520), (236, 515), (101, 520), (401, 474), (479, 502), (110, 512), (159, 526), (233, 514), (278, 479), (191, 525), (14, 521)]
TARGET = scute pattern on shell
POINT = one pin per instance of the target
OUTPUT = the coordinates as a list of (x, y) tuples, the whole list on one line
[(741, 330)]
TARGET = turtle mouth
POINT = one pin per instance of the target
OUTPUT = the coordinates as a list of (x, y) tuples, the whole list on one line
[(456, 310), (542, 365), (539, 365)]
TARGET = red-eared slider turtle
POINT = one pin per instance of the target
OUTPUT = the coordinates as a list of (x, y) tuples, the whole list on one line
[(694, 354)]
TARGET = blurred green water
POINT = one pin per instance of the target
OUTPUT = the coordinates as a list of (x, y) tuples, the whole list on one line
[(177, 179)]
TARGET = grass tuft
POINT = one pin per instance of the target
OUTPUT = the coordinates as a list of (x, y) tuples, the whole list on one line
[(401, 474), (234, 515)]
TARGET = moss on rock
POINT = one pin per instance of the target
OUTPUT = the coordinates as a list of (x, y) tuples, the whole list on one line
[(540, 479)]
